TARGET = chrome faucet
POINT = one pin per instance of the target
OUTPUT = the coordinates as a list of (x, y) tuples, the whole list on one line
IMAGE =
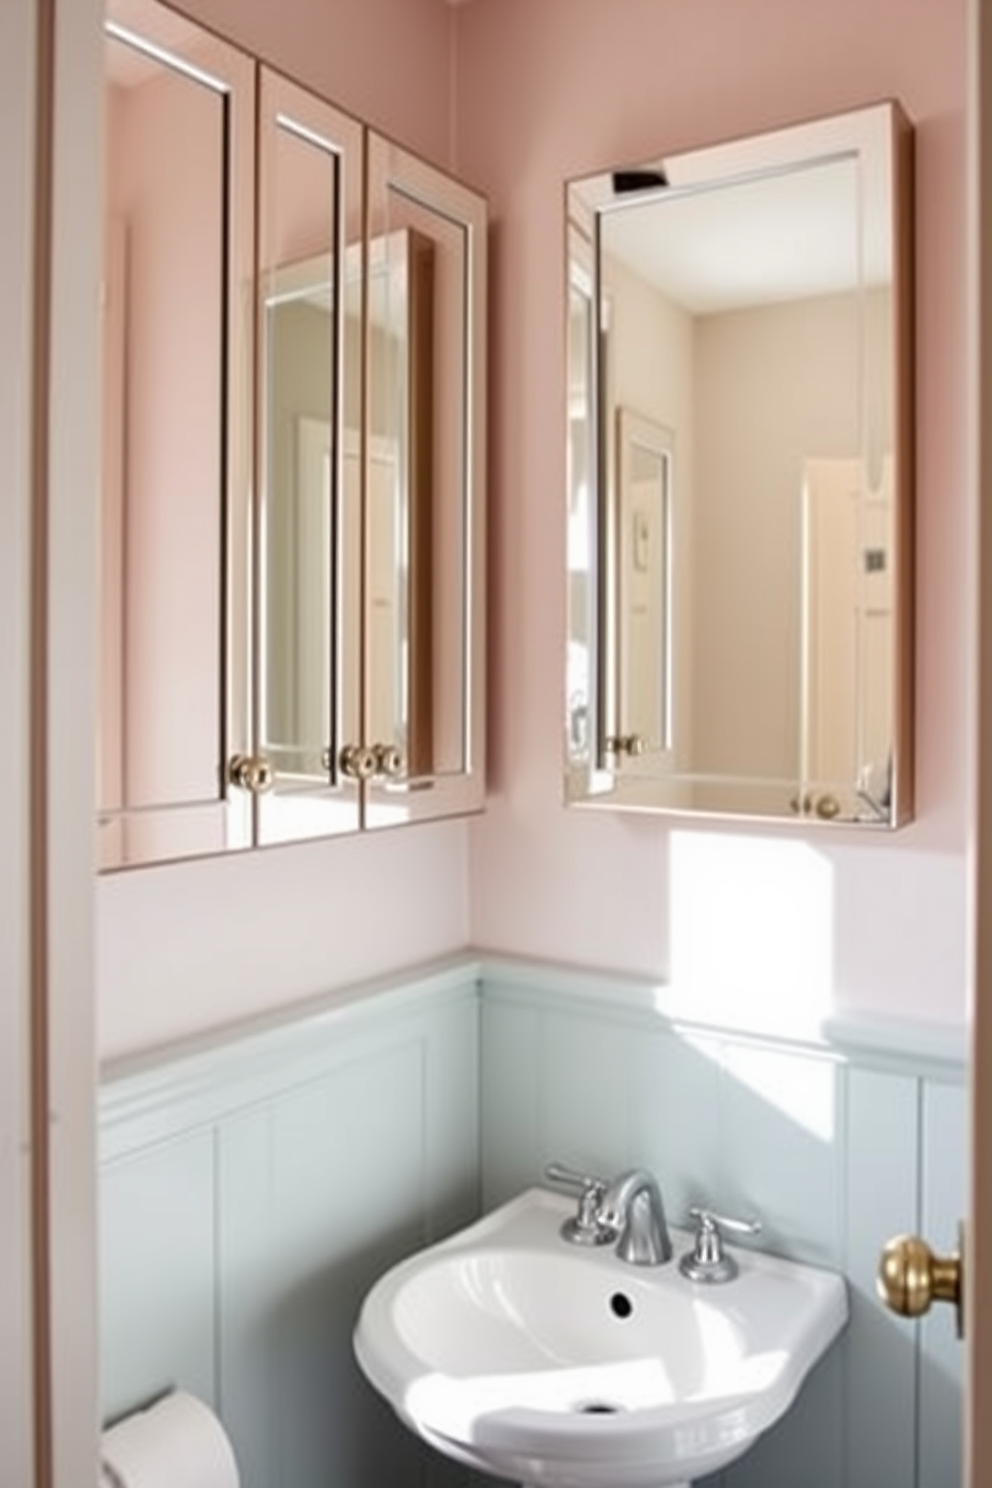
[(629, 1210), (633, 1208)]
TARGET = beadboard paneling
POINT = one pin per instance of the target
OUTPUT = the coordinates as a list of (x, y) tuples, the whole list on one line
[(157, 1272), (836, 1143), (881, 1350), (252, 1189)]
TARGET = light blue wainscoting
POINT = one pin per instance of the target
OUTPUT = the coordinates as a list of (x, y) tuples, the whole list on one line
[(836, 1142), (252, 1191), (253, 1188)]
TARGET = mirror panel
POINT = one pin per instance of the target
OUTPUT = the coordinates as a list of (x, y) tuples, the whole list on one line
[(309, 510), (178, 140), (423, 560), (292, 536), (739, 487)]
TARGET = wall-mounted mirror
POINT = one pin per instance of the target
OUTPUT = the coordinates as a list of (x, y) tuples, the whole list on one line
[(739, 553), (303, 612), (423, 684), (291, 527), (179, 122)]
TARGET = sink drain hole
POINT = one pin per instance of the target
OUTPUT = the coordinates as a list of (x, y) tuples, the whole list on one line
[(621, 1305)]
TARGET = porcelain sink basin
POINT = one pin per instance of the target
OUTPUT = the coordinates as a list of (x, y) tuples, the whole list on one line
[(522, 1355)]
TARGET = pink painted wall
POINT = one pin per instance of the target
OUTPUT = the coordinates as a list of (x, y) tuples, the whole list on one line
[(388, 62), (787, 925)]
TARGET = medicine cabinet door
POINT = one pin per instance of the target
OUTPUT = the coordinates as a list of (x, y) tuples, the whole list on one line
[(179, 127), (423, 679), (302, 681)]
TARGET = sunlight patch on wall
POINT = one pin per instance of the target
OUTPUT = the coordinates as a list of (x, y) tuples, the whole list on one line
[(752, 933)]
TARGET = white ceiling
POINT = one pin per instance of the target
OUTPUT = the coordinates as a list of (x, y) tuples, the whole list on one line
[(782, 237), (800, 211)]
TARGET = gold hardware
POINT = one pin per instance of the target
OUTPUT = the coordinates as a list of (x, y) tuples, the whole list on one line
[(826, 807), (251, 772), (629, 744), (388, 760), (357, 761), (911, 1278)]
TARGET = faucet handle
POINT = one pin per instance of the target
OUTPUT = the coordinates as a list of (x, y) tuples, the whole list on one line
[(571, 1178), (585, 1226), (707, 1260), (709, 1221)]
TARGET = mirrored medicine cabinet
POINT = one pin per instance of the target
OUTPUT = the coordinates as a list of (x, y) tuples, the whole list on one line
[(291, 528), (739, 490)]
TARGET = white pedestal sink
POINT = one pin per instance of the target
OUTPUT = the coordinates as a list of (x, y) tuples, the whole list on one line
[(521, 1355)]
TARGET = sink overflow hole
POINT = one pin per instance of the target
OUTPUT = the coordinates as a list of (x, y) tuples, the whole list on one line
[(621, 1305), (598, 1408)]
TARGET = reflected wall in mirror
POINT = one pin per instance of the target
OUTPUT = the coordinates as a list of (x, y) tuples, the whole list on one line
[(740, 478), (291, 528)]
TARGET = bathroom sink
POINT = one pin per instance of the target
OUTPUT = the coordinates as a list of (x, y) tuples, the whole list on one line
[(528, 1357)]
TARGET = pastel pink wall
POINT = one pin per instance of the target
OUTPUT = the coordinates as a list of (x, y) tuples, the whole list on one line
[(388, 62), (784, 925), (788, 925)]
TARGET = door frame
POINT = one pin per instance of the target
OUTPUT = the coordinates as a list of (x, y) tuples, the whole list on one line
[(53, 787), (978, 1239)]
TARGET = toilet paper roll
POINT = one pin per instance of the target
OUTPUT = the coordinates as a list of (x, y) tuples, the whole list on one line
[(176, 1443)]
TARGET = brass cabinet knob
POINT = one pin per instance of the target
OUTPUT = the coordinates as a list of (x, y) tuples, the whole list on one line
[(629, 744), (828, 808), (357, 761), (388, 760), (251, 772), (911, 1277)]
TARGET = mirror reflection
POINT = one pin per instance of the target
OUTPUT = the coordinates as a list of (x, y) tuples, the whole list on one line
[(291, 536), (424, 475), (174, 98), (306, 593), (739, 552)]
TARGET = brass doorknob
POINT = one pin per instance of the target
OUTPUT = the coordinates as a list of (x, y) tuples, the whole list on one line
[(251, 772), (911, 1277), (357, 761)]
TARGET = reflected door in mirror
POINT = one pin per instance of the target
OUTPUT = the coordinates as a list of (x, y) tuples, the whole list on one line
[(641, 687)]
